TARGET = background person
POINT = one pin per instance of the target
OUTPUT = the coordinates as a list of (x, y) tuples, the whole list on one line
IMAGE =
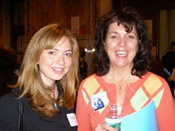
[(169, 64), (172, 80), (83, 64), (156, 62), (17, 65), (169, 58), (122, 60), (47, 83), (172, 77), (7, 71)]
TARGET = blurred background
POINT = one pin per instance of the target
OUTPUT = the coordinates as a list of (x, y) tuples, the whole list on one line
[(20, 19)]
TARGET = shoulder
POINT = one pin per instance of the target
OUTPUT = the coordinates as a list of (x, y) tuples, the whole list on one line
[(8, 104), (8, 100), (90, 80), (10, 97), (154, 76), (154, 82), (149, 76), (92, 85)]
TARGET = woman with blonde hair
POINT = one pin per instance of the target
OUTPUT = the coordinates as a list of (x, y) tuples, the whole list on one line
[(47, 84)]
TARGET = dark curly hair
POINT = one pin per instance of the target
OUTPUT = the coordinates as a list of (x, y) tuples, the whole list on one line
[(129, 18)]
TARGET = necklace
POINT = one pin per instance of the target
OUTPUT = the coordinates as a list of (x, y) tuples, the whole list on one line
[(120, 85), (55, 105)]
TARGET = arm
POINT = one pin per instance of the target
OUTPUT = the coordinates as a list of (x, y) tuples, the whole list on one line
[(81, 112), (166, 111), (172, 77)]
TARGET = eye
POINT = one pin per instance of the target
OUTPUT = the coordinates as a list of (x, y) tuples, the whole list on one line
[(69, 54), (113, 36), (131, 37), (51, 53)]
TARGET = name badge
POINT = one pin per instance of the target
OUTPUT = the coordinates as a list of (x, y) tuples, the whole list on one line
[(99, 100), (72, 119)]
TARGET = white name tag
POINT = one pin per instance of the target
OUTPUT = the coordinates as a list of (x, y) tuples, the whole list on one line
[(99, 100), (72, 119)]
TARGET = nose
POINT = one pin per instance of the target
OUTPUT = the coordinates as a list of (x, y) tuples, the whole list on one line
[(60, 60), (122, 41)]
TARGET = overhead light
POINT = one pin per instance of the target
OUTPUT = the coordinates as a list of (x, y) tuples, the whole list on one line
[(89, 51)]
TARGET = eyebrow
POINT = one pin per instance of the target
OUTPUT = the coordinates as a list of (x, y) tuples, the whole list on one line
[(64, 51), (68, 50), (112, 32)]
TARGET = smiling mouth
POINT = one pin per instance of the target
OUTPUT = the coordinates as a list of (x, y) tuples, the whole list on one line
[(121, 53), (58, 70)]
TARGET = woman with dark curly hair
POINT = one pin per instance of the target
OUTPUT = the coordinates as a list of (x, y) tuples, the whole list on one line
[(122, 61)]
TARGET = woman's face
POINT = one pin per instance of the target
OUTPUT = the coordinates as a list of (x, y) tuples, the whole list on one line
[(121, 47), (55, 63)]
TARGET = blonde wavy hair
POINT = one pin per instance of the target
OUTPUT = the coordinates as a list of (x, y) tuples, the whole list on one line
[(30, 83)]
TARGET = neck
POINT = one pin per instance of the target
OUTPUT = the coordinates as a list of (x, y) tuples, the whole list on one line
[(122, 83), (120, 73), (119, 77)]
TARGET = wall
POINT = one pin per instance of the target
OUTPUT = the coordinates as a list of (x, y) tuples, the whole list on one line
[(1, 23), (167, 30), (5, 25), (42, 12)]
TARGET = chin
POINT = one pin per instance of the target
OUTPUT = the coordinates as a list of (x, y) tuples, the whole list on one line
[(120, 64), (58, 78)]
